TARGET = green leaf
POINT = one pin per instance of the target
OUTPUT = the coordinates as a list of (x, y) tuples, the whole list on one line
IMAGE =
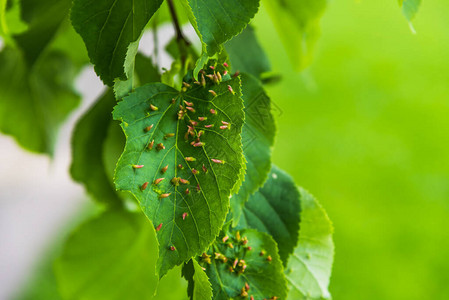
[(87, 150), (217, 21), (258, 138), (110, 257), (35, 101), (309, 268), (199, 286), (297, 23), (111, 30), (409, 8), (246, 55), (144, 72), (257, 264), (10, 21), (44, 19), (212, 170), (275, 209)]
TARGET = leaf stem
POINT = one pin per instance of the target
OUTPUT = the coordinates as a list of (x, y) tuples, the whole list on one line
[(179, 35)]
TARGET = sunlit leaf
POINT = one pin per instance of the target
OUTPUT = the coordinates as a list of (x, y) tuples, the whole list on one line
[(297, 23), (199, 286), (182, 160), (409, 8), (309, 268)]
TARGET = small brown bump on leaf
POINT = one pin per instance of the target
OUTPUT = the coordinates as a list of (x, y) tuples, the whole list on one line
[(159, 227), (169, 135), (213, 111), (249, 248), (150, 145), (201, 119), (186, 84), (230, 245), (251, 297), (160, 147), (219, 76), (194, 171), (247, 286), (234, 264), (164, 169), (200, 133), (225, 72), (217, 161), (209, 126), (225, 64), (262, 253), (189, 108), (162, 196), (138, 166), (213, 93), (204, 169), (188, 103), (269, 258), (236, 74), (187, 191), (212, 67), (149, 128), (198, 144), (203, 80), (231, 90), (172, 248), (157, 181), (243, 293), (194, 123), (206, 258), (189, 158), (172, 101), (198, 188), (184, 181), (144, 186), (225, 238), (153, 108), (185, 215), (175, 181)]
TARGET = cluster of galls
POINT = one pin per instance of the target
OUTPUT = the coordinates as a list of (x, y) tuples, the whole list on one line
[(193, 130)]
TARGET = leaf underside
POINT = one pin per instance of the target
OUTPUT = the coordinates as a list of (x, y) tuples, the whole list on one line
[(275, 209), (182, 176), (246, 54), (258, 138), (87, 150)]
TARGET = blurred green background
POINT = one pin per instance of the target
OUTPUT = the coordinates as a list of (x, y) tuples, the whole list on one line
[(366, 130)]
